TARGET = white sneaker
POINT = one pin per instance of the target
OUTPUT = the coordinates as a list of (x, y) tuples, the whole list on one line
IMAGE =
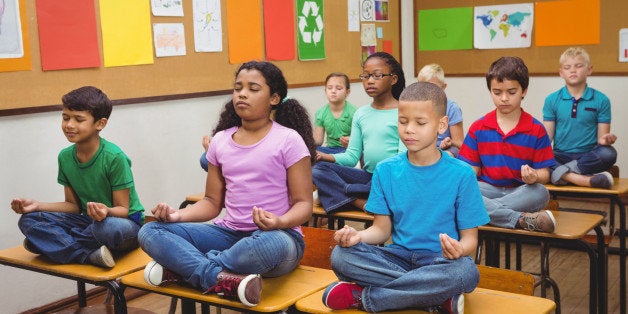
[(157, 275), (317, 201)]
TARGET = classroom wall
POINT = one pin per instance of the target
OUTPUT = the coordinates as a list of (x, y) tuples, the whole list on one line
[(164, 141)]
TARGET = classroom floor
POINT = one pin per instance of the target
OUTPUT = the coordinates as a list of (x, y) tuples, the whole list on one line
[(569, 268)]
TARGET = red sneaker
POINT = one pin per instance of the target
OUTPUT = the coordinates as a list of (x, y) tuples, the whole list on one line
[(343, 295), (245, 288), (454, 305)]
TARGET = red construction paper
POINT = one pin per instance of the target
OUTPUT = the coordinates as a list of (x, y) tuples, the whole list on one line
[(279, 30), (68, 36)]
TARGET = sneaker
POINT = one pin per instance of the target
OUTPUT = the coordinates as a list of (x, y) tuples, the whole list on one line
[(454, 305), (245, 288), (343, 295), (30, 247), (315, 198), (102, 257), (603, 180), (540, 221), (157, 275)]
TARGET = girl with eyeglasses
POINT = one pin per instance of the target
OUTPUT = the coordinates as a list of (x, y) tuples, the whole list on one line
[(374, 137)]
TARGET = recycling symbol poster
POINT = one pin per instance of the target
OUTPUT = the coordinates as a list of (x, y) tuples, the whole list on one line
[(311, 32)]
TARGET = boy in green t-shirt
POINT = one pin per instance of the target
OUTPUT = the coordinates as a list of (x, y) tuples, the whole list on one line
[(101, 210)]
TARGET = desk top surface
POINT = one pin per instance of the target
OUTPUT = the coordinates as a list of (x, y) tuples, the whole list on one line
[(125, 264), (277, 294), (195, 197), (620, 187), (479, 301), (569, 225)]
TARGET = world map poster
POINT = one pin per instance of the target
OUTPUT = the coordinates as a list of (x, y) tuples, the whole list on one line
[(503, 26)]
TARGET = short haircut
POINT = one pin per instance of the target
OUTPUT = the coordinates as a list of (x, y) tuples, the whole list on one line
[(88, 98), (426, 91), (574, 52), (508, 68), (431, 71), (339, 74)]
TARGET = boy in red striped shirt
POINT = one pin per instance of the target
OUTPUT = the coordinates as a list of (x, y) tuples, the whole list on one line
[(511, 153)]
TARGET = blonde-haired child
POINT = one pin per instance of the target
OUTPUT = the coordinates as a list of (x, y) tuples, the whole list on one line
[(451, 140), (578, 119)]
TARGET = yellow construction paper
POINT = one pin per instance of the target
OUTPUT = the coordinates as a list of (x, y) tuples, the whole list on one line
[(126, 32)]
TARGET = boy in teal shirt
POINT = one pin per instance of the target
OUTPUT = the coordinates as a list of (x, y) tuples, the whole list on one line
[(101, 211), (578, 119)]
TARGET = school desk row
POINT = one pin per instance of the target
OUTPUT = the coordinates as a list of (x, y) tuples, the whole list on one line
[(572, 230), (301, 289)]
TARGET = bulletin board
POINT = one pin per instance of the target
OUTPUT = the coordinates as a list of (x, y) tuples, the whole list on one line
[(540, 60), (193, 75)]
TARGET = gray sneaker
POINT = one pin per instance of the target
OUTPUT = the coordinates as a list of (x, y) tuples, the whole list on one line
[(540, 221), (102, 257), (603, 180)]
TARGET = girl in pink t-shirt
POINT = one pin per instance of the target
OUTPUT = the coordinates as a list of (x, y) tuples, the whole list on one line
[(260, 173)]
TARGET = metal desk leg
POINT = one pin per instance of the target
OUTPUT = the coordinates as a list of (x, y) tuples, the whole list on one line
[(622, 254), (117, 291), (81, 293), (546, 279), (188, 306), (602, 255)]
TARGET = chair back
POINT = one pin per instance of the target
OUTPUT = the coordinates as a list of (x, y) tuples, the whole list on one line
[(318, 246), (507, 280)]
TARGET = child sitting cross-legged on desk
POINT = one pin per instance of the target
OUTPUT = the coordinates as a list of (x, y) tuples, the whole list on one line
[(101, 211), (578, 119), (511, 153), (431, 205), (260, 172)]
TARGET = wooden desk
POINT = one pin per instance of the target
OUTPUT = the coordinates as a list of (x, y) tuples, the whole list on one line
[(479, 301), (20, 258), (614, 195), (340, 217), (191, 199), (570, 230), (277, 295)]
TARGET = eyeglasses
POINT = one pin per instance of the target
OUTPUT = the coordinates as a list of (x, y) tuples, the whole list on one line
[(376, 76)]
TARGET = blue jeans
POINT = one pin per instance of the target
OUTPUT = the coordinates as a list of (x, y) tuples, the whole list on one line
[(599, 159), (340, 185), (396, 278), (204, 162), (199, 251), (505, 205), (70, 238), (331, 150)]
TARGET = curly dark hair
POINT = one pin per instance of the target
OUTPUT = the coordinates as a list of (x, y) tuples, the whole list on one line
[(289, 112), (395, 68)]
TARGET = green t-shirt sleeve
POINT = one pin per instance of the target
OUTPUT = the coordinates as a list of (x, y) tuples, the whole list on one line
[(120, 175)]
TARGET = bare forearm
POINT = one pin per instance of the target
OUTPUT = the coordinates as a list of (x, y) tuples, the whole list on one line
[(201, 211), (61, 207), (300, 213)]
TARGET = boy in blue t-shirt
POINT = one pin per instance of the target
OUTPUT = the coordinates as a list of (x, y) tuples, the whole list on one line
[(432, 217), (101, 211), (578, 119)]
